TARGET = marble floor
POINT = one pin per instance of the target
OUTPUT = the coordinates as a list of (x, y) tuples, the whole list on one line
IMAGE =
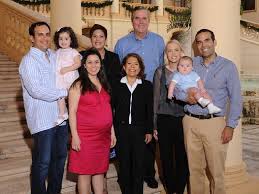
[(250, 138)]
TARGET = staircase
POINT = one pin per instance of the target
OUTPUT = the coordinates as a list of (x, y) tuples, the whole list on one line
[(16, 141)]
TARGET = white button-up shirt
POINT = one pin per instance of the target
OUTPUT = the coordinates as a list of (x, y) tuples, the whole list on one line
[(40, 94)]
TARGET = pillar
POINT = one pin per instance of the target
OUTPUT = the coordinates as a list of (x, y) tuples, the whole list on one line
[(66, 13), (160, 4), (115, 6), (223, 18)]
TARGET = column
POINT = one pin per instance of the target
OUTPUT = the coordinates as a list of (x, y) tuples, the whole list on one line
[(66, 13), (115, 6), (160, 4), (223, 18)]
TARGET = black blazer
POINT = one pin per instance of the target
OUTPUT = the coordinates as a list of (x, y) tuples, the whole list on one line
[(112, 67), (142, 105)]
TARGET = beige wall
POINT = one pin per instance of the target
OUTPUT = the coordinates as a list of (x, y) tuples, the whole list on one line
[(253, 15)]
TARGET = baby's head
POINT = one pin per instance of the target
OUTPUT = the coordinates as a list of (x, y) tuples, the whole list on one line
[(185, 65), (65, 38)]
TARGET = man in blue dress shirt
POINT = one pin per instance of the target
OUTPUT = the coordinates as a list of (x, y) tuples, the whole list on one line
[(150, 46), (207, 135), (38, 76)]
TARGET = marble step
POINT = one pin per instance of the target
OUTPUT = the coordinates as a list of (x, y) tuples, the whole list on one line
[(7, 62), (9, 117), (3, 58), (11, 84), (11, 168), (13, 131), (15, 148), (17, 135), (21, 183), (11, 106), (6, 72), (13, 89), (8, 77), (8, 68), (10, 80), (10, 96)]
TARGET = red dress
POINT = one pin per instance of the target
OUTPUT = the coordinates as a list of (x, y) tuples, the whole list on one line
[(94, 121)]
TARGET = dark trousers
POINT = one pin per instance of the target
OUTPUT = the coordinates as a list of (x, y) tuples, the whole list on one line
[(130, 151), (48, 160), (149, 162), (172, 153)]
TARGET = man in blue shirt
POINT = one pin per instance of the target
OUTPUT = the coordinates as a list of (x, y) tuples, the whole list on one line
[(38, 76), (150, 46), (207, 135)]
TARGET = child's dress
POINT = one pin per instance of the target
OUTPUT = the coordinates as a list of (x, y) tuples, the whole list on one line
[(65, 58)]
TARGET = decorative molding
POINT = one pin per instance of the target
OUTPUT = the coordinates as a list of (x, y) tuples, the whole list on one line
[(180, 18), (32, 2), (100, 4), (131, 8), (97, 4)]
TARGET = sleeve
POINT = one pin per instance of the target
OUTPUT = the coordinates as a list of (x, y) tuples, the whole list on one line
[(156, 94), (195, 76), (117, 67), (176, 78), (149, 107), (161, 54), (118, 50), (235, 98), (76, 53), (30, 78)]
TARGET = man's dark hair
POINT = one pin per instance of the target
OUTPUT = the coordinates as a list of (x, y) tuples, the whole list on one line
[(212, 35), (34, 25), (72, 35)]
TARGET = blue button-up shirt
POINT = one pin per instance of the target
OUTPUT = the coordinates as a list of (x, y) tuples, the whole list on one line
[(150, 48), (222, 82), (40, 95)]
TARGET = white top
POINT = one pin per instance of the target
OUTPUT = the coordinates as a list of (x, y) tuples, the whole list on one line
[(131, 89)]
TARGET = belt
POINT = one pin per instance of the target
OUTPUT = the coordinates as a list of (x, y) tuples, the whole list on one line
[(208, 116)]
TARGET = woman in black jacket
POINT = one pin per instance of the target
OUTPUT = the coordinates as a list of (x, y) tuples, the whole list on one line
[(133, 122)]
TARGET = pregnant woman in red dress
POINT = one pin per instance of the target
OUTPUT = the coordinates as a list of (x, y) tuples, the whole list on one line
[(90, 119)]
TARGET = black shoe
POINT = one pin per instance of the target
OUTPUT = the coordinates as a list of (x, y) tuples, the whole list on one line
[(151, 183)]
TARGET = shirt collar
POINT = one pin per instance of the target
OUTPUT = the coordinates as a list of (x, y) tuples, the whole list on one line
[(40, 52), (125, 80), (213, 62), (145, 37)]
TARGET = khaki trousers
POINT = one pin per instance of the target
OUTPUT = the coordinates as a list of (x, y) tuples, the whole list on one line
[(206, 153)]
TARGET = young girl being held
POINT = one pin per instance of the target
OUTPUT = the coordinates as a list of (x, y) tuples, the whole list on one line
[(68, 61)]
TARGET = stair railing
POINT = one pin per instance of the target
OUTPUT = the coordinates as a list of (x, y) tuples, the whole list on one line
[(15, 20)]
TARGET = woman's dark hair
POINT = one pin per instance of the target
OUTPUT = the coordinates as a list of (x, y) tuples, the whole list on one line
[(84, 80), (71, 33), (141, 74), (98, 27)]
